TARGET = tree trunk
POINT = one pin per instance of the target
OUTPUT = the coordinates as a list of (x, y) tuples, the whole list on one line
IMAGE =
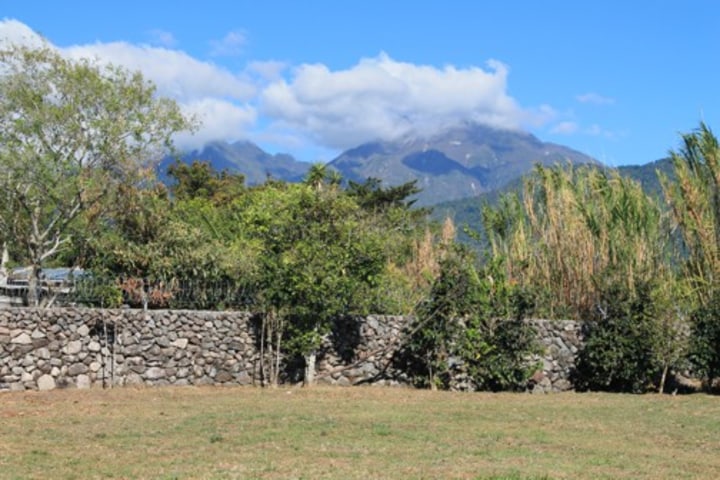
[(263, 327), (33, 297), (663, 379), (431, 376), (310, 359), (4, 261), (278, 342)]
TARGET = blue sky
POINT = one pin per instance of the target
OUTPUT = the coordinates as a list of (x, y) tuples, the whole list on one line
[(618, 80)]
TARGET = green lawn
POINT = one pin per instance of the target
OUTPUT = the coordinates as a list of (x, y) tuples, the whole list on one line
[(355, 433)]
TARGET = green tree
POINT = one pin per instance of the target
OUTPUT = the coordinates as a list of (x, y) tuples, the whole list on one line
[(454, 297), (704, 347), (412, 244), (319, 259), (200, 180), (189, 253), (371, 195), (71, 134)]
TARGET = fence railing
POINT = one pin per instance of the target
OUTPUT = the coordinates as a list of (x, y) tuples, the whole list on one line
[(109, 292)]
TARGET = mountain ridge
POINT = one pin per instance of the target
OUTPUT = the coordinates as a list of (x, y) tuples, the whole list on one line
[(452, 164), (246, 158), (458, 162)]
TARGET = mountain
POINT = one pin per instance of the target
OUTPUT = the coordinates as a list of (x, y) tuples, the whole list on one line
[(647, 174), (245, 158), (457, 163)]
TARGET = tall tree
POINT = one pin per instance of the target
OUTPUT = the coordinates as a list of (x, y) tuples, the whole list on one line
[(71, 133), (371, 195), (320, 259)]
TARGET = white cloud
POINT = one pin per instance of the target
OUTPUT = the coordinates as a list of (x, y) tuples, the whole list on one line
[(539, 116), (230, 45), (163, 38), (565, 128), (221, 99), (174, 72), (268, 70), (218, 98), (220, 120), (13, 31), (312, 105), (382, 98), (595, 99)]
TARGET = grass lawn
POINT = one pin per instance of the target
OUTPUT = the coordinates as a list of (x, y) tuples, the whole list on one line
[(354, 433)]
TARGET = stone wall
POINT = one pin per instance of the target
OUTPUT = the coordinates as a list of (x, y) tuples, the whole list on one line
[(82, 348), (561, 340)]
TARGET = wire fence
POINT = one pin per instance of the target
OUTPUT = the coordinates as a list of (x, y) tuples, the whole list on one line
[(132, 292), (86, 290)]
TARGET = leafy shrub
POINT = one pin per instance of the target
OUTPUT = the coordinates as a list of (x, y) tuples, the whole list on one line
[(622, 342), (97, 292), (504, 364), (471, 324), (705, 340)]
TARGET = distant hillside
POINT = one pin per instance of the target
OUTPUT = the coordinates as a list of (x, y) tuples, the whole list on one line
[(246, 158), (461, 162), (647, 174)]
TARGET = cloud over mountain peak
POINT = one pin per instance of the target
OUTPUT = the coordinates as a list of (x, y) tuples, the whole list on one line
[(377, 98), (381, 98)]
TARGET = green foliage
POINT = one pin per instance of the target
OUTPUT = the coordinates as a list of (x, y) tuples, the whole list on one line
[(315, 239), (704, 351), (307, 252), (623, 350), (199, 180), (454, 297), (97, 292), (72, 133), (190, 252), (472, 324), (370, 194)]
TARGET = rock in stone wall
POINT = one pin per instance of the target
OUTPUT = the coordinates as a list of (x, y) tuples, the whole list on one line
[(45, 349), (561, 340), (83, 348), (360, 350)]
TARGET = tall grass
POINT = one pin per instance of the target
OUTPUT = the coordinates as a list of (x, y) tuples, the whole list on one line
[(574, 229), (694, 199)]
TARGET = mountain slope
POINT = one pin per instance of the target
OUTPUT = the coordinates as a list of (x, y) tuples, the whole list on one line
[(647, 174), (458, 163), (245, 158)]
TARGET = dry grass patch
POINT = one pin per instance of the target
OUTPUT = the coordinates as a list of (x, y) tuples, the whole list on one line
[(354, 433)]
